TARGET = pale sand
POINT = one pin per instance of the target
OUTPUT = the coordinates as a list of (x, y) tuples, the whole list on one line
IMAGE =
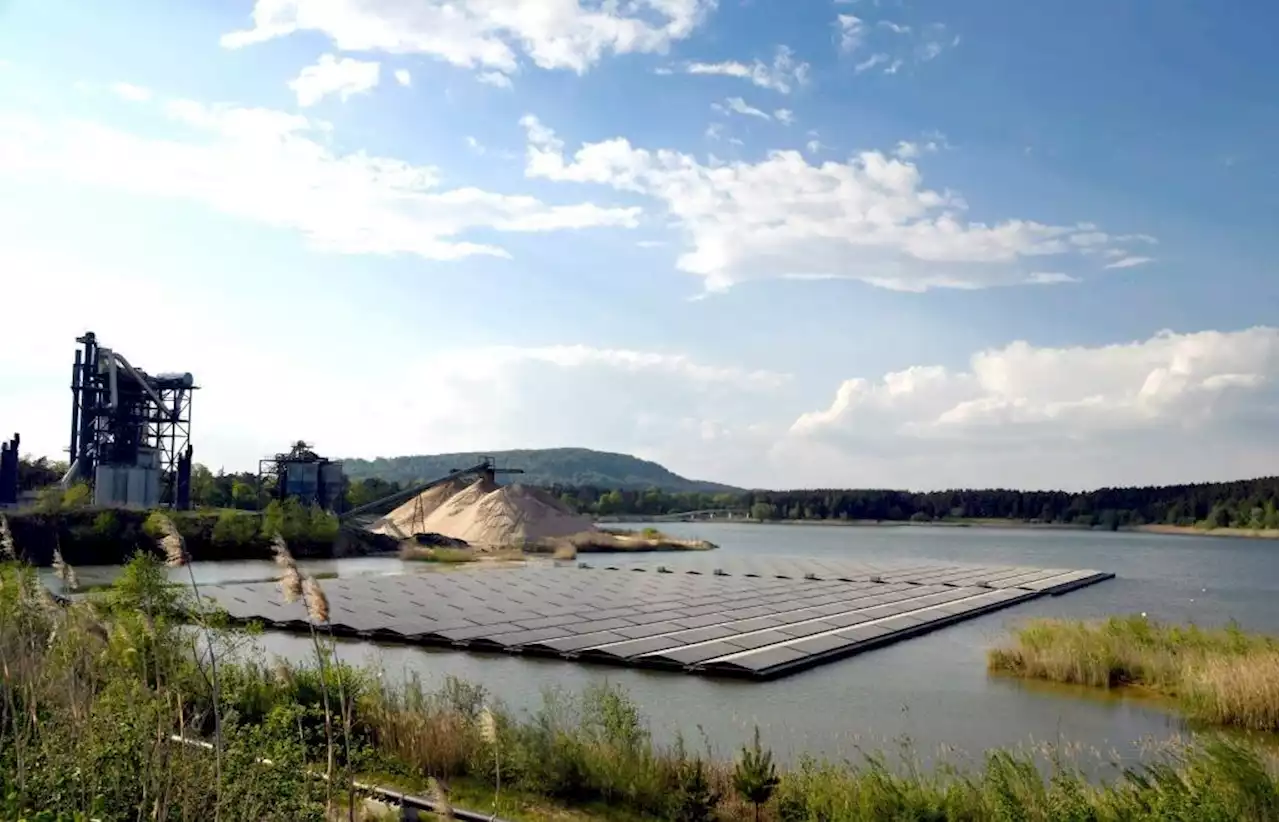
[(408, 518), (487, 515)]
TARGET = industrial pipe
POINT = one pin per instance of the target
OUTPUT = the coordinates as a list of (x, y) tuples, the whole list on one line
[(133, 372)]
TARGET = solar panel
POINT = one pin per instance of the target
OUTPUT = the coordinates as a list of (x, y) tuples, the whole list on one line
[(757, 618)]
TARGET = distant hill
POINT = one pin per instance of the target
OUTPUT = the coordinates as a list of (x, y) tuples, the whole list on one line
[(542, 466)]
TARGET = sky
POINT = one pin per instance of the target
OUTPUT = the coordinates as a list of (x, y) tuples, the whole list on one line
[(901, 243)]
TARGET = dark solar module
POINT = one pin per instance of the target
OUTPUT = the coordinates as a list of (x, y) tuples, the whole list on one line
[(754, 618)]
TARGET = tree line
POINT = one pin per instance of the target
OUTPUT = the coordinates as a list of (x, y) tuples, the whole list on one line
[(1241, 504)]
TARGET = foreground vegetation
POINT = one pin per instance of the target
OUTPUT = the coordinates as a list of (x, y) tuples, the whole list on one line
[(93, 692), (1221, 676)]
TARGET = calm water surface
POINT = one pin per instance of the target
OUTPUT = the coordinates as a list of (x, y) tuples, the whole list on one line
[(933, 689)]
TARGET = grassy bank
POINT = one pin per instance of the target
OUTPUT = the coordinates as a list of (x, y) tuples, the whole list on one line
[(1221, 676), (91, 692), (621, 540), (1197, 531)]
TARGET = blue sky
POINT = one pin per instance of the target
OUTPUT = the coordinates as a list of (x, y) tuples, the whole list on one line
[(860, 243)]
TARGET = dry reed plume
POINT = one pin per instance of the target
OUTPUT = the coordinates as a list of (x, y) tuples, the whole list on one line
[(8, 551)]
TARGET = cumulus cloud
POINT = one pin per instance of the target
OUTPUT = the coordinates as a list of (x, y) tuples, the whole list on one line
[(869, 218), (329, 75), (452, 395), (784, 74), (494, 78), (784, 116), (1175, 407), (277, 168), (481, 34), (852, 31), (403, 77)]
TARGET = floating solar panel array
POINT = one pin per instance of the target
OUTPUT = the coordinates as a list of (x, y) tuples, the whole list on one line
[(745, 623)]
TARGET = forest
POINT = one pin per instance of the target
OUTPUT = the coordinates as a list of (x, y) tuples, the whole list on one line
[(1248, 503)]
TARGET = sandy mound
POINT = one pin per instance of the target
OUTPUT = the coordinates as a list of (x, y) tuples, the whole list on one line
[(408, 519), (487, 515)]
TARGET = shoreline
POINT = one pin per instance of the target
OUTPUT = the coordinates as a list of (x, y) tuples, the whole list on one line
[(1013, 524)]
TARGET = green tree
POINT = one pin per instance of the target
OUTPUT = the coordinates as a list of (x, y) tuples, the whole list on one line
[(761, 511), (1269, 515), (202, 486), (243, 495), (235, 528), (693, 799), (610, 503), (754, 775)]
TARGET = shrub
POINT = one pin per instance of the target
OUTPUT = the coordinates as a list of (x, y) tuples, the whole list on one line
[(235, 528)]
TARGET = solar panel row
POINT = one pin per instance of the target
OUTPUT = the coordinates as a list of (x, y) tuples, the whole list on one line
[(748, 624)]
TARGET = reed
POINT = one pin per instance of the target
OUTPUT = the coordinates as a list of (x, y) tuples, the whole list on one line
[(1223, 676)]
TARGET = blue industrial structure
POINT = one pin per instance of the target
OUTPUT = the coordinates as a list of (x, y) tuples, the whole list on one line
[(130, 431), (9, 472), (304, 475)]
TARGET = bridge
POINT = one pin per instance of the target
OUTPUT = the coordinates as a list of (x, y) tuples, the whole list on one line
[(704, 514)]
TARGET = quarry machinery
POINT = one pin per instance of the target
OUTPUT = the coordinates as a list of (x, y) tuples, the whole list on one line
[(303, 474), (486, 468), (130, 430)]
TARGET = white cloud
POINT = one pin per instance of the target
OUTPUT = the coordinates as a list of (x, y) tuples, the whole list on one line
[(869, 218), (130, 92), (481, 33), (1130, 261), (870, 63), (852, 31), (329, 75), (894, 67), (277, 169), (896, 28), (1051, 278), (782, 75), (714, 131), (1173, 408), (494, 78), (737, 105), (403, 77), (906, 150), (784, 116)]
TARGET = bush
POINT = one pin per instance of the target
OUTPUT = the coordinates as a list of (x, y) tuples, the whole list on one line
[(235, 528)]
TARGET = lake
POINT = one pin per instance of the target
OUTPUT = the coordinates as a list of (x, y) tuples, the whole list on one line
[(933, 690)]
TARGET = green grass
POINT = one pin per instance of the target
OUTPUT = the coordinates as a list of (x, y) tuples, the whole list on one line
[(1222, 676), (91, 691)]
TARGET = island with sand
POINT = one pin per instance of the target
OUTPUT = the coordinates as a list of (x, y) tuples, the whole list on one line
[(458, 521)]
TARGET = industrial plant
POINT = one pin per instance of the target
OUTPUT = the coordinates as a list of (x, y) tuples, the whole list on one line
[(130, 431)]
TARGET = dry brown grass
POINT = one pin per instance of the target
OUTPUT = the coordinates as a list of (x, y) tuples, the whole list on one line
[(418, 553), (1223, 676), (619, 541)]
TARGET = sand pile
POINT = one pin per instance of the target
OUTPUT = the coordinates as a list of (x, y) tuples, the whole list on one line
[(409, 518), (489, 516)]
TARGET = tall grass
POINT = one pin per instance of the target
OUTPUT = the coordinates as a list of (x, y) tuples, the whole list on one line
[(1223, 676), (91, 693)]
